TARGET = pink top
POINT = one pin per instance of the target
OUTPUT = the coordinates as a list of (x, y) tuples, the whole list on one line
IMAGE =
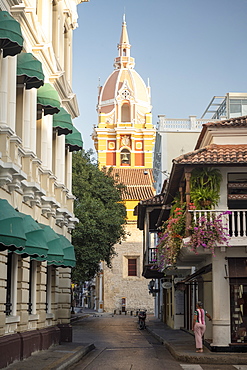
[(200, 316)]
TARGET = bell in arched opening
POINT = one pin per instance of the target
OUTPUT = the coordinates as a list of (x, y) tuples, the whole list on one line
[(125, 157)]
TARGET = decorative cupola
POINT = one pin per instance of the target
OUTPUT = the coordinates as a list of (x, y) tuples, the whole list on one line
[(124, 60), (124, 136)]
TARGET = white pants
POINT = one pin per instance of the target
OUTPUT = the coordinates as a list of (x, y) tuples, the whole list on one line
[(199, 330)]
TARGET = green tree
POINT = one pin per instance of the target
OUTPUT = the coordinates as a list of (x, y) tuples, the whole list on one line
[(101, 213)]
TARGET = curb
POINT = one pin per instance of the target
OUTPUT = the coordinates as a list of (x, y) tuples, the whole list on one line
[(157, 336), (70, 359), (215, 358)]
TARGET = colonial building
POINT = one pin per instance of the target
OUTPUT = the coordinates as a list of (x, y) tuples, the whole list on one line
[(37, 138), (124, 139), (216, 276)]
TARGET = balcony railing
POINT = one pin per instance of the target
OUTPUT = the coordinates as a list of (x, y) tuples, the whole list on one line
[(151, 255), (184, 124), (235, 222)]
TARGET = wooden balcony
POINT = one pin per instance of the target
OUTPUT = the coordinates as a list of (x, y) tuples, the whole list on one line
[(236, 227), (149, 272)]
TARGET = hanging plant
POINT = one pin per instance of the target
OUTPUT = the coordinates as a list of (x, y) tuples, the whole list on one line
[(205, 187), (170, 239)]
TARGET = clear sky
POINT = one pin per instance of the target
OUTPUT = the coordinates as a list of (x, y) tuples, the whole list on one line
[(190, 50)]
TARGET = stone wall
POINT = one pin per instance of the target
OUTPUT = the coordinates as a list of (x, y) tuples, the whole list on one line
[(116, 282)]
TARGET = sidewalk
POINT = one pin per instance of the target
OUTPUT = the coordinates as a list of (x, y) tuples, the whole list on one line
[(182, 346), (55, 358), (58, 357)]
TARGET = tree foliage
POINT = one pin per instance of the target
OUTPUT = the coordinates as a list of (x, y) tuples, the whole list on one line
[(101, 213)]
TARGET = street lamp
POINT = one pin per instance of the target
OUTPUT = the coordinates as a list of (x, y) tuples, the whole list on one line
[(151, 288)]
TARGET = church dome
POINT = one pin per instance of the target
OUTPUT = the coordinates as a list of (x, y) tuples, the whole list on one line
[(124, 85), (120, 81)]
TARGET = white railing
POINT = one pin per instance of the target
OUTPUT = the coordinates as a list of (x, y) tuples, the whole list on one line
[(184, 124), (235, 220)]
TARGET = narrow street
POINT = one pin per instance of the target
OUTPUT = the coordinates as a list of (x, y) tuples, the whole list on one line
[(120, 345)]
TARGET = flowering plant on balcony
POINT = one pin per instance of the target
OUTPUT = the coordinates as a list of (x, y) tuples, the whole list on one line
[(170, 239), (207, 232)]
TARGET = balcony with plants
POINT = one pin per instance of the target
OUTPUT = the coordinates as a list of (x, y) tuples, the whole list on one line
[(196, 226)]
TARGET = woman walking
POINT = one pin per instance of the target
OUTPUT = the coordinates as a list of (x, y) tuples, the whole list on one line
[(199, 325)]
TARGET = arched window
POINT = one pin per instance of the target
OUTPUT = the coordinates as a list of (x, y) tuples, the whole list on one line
[(125, 157), (125, 113)]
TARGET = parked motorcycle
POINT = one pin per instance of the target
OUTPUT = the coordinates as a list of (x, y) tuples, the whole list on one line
[(142, 319)]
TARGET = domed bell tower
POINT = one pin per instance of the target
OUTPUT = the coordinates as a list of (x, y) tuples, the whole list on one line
[(124, 136), (124, 139)]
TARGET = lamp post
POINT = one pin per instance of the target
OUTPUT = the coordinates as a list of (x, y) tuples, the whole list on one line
[(151, 288)]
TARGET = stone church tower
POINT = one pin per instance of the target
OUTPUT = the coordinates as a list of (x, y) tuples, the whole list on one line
[(124, 140)]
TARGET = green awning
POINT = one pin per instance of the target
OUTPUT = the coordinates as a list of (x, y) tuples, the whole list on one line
[(29, 71), (48, 98), (74, 140), (12, 234), (11, 40), (69, 252), (36, 245), (55, 253), (63, 122)]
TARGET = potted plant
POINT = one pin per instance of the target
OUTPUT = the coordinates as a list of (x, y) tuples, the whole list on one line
[(205, 187)]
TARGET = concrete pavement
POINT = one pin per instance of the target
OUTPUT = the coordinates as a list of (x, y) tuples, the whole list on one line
[(180, 344)]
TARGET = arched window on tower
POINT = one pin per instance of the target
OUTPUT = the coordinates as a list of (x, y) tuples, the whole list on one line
[(125, 157), (125, 113), (124, 52)]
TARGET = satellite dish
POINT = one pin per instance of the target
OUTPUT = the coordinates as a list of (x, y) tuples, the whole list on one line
[(166, 285)]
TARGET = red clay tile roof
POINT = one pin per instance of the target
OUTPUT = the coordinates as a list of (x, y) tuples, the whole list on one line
[(156, 200), (215, 154), (138, 184), (231, 122)]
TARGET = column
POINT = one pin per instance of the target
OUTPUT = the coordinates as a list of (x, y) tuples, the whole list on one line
[(12, 92), (68, 171), (60, 158), (101, 303), (49, 141), (33, 119), (27, 138), (14, 274), (221, 301), (46, 141), (4, 91)]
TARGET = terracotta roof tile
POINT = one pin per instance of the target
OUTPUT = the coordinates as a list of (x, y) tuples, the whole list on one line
[(238, 121), (138, 184), (215, 154), (156, 200)]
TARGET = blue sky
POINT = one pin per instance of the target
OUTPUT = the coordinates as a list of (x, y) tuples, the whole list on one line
[(190, 50)]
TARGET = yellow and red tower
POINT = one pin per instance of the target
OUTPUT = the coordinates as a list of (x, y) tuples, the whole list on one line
[(124, 136)]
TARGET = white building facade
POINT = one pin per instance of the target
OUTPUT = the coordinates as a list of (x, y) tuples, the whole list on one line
[(174, 137), (37, 138)]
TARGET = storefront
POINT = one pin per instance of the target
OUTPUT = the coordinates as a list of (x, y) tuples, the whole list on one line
[(238, 299)]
